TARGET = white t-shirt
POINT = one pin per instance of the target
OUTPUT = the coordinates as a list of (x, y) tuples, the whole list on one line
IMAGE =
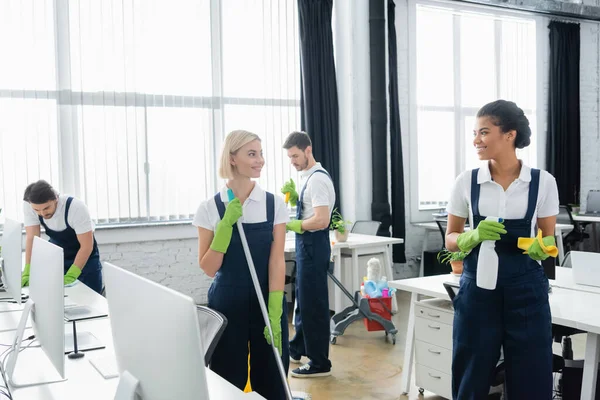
[(254, 210), (494, 201), (79, 216), (319, 191)]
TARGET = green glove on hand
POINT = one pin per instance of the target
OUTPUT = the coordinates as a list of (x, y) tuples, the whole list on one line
[(295, 225), (275, 312), (72, 274), (224, 230), (290, 187), (536, 252), (486, 230), (25, 276)]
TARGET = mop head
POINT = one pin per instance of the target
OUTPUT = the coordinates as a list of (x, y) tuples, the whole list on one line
[(301, 396)]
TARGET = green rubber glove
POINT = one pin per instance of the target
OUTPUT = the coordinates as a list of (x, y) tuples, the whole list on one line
[(275, 312), (224, 230), (295, 225), (290, 187), (25, 276), (72, 274), (536, 252), (486, 230)]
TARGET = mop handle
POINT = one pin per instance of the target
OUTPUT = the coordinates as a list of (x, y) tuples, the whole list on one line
[(261, 301)]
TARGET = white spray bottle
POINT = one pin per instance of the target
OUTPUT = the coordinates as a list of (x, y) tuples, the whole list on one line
[(487, 262)]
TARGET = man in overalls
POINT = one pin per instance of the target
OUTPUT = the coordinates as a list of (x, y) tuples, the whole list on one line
[(67, 223), (313, 252)]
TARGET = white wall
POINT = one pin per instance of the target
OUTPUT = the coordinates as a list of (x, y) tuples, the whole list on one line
[(590, 104), (164, 254)]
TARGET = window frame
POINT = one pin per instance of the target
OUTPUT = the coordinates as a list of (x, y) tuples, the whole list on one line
[(418, 214), (69, 118)]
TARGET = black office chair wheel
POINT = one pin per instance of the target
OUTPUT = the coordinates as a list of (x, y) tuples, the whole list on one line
[(333, 339), (421, 390)]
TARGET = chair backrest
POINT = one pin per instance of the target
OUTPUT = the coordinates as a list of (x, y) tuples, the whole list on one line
[(564, 215), (593, 202), (566, 262), (212, 325), (366, 227)]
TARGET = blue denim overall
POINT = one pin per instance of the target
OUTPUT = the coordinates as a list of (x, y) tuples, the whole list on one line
[(313, 252), (232, 293), (514, 316), (91, 274)]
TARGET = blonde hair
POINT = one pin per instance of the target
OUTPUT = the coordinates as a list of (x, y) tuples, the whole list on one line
[(233, 142)]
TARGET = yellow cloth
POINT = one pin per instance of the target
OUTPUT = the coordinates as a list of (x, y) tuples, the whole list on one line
[(248, 387), (525, 243)]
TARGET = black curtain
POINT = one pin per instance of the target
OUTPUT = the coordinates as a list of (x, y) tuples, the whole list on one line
[(563, 153), (380, 204), (318, 97), (397, 167)]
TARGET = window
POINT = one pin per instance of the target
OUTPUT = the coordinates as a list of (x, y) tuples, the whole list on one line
[(472, 57), (125, 103)]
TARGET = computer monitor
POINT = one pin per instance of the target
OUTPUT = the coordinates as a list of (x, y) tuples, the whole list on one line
[(156, 339), (46, 304), (11, 253)]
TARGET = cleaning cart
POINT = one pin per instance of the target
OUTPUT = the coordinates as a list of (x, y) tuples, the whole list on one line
[(374, 310)]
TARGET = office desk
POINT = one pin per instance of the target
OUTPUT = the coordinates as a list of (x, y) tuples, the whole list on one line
[(569, 307), (83, 381), (432, 226), (355, 246)]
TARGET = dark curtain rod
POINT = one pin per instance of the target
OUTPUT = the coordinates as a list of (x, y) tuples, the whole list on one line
[(548, 13)]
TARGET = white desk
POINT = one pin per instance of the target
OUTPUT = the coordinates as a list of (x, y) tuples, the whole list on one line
[(84, 382), (356, 245), (432, 226), (569, 307)]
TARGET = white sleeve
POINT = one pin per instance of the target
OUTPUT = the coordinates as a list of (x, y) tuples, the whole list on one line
[(79, 217), (549, 202), (459, 202), (282, 215), (30, 218), (319, 191), (202, 218)]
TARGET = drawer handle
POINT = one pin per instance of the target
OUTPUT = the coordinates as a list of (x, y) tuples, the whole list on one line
[(437, 328), (434, 376), (434, 352), (433, 315)]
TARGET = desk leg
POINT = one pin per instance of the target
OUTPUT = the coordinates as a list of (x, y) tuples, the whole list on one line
[(590, 366), (409, 346), (560, 245), (596, 245), (355, 278), (389, 270), (337, 272)]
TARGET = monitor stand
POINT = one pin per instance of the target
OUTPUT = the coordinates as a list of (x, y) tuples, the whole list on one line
[(128, 387), (42, 373)]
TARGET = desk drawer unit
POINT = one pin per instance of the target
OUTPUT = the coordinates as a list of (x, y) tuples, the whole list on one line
[(433, 346)]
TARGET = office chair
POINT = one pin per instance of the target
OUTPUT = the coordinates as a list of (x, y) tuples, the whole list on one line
[(212, 325), (366, 227), (574, 239)]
